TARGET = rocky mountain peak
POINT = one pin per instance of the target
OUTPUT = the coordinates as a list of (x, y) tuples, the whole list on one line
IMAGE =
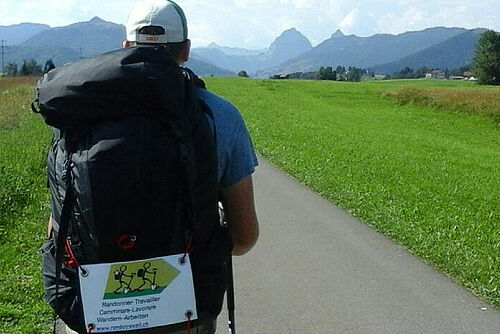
[(97, 19), (338, 34), (288, 45), (290, 39)]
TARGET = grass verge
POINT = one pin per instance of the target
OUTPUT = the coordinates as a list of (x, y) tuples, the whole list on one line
[(23, 210), (14, 93)]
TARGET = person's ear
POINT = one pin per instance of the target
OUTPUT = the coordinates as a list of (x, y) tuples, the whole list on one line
[(126, 44), (187, 50)]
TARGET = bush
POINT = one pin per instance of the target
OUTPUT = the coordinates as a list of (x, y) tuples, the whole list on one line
[(243, 74)]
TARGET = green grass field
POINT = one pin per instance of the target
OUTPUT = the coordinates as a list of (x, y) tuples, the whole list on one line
[(422, 170)]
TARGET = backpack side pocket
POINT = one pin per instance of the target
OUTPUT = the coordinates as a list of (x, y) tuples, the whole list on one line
[(67, 304)]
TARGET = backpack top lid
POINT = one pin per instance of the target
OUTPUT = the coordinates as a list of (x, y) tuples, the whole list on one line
[(140, 80)]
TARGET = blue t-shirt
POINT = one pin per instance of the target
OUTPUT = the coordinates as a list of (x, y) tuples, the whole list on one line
[(235, 152)]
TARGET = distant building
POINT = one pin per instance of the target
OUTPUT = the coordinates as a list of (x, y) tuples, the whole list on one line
[(281, 76), (436, 74), (380, 77)]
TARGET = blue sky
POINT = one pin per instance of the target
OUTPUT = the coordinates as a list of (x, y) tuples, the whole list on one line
[(256, 23)]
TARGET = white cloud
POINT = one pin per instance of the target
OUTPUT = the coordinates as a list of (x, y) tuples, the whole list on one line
[(255, 23), (396, 23), (200, 32), (349, 20)]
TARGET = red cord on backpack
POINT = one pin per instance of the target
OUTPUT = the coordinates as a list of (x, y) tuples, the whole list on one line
[(90, 328), (72, 261)]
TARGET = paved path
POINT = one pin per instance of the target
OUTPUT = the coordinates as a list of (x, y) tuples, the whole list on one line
[(318, 270)]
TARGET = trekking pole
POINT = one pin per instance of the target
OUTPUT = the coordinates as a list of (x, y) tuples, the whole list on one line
[(230, 278), (230, 295)]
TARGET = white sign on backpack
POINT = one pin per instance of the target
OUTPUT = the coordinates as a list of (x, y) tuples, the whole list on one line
[(139, 294)]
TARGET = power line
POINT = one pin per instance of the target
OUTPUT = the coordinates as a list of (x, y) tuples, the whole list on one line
[(3, 52)]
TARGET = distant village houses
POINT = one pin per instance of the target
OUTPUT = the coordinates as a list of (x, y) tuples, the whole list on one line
[(436, 74), (440, 74), (469, 76), (281, 76)]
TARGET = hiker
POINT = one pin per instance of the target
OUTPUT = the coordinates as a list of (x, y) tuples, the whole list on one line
[(235, 153), (236, 156), (119, 275), (154, 27), (143, 273)]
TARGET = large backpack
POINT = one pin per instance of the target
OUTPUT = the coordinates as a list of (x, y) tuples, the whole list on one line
[(132, 172)]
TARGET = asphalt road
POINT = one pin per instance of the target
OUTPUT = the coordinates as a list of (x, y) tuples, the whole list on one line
[(316, 269)]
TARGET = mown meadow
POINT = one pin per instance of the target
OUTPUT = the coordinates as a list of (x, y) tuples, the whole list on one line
[(417, 160)]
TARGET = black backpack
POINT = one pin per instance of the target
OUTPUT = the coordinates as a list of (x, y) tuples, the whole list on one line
[(132, 172)]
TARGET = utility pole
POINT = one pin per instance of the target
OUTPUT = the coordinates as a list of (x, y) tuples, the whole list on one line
[(3, 52)]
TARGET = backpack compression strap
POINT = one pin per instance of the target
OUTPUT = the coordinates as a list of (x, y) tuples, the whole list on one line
[(61, 229)]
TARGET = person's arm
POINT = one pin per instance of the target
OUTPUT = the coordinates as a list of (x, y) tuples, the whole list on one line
[(49, 226), (240, 213)]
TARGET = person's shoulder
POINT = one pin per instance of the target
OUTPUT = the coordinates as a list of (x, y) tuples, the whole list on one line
[(219, 106)]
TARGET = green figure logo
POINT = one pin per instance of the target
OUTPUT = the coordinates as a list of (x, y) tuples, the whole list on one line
[(141, 278)]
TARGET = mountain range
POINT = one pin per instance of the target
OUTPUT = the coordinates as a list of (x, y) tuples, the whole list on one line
[(438, 47), (18, 33), (291, 43), (75, 41), (451, 53)]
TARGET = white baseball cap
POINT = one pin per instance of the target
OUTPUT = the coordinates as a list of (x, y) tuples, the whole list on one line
[(157, 21)]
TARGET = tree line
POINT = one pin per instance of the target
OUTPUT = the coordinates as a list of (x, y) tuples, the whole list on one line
[(355, 74), (352, 73), (29, 68), (409, 73)]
